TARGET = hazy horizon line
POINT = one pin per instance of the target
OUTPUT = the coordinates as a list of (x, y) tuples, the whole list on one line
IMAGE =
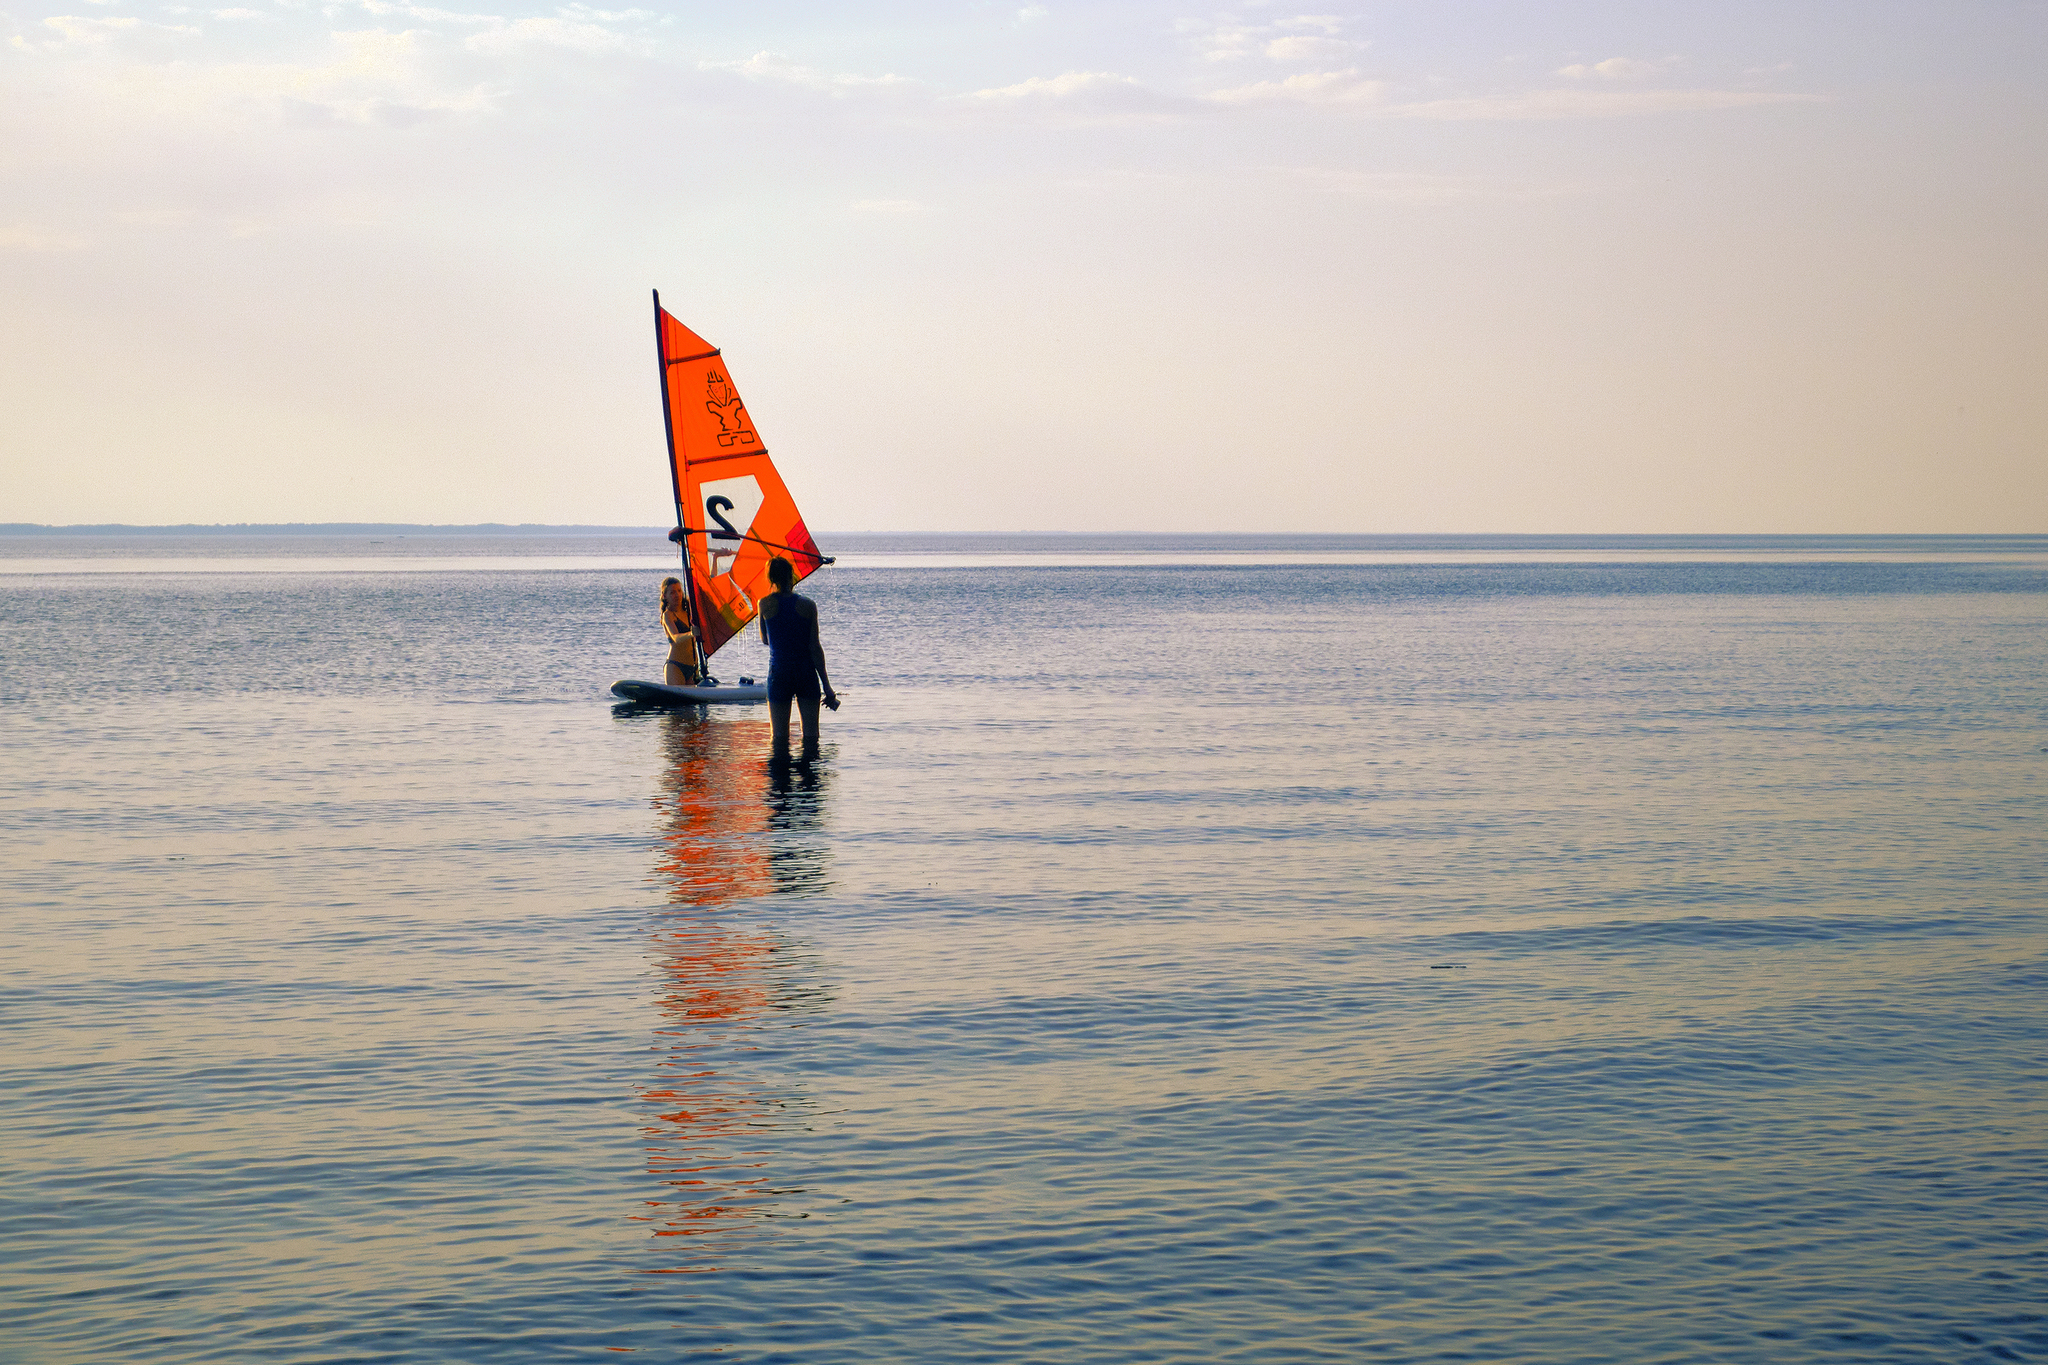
[(353, 528)]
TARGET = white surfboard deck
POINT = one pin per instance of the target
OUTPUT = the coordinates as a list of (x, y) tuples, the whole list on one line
[(661, 694)]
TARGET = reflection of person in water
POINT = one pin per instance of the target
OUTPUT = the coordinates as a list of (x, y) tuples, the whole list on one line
[(682, 641), (796, 659), (712, 1108), (727, 837), (705, 1113), (799, 861)]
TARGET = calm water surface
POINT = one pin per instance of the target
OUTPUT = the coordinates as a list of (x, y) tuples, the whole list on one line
[(1386, 961)]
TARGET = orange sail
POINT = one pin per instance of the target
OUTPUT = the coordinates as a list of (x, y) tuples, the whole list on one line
[(733, 513)]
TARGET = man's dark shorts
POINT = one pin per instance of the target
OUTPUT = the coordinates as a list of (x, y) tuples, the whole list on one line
[(800, 686)]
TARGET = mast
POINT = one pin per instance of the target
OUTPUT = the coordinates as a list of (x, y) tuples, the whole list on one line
[(718, 460), (675, 480)]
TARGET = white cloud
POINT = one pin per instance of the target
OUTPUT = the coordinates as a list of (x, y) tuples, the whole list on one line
[(80, 31), (889, 206), (1305, 48), (1032, 12), (1310, 87), (1572, 104), (1303, 38), (23, 237), (73, 28), (1346, 88), (1613, 69), (1064, 86), (567, 33), (1320, 23), (376, 78), (369, 77), (1081, 95), (607, 16), (256, 14), (402, 69), (775, 66), (384, 10), (576, 27), (1221, 42)]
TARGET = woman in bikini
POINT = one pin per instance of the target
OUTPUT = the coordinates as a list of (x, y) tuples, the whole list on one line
[(682, 641)]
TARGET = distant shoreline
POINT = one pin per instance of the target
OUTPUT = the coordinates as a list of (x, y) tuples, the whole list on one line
[(324, 528), (1559, 539)]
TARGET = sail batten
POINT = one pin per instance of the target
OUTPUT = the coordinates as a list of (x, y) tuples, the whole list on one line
[(714, 459), (732, 509)]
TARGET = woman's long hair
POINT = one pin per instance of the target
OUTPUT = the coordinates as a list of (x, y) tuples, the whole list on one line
[(672, 599)]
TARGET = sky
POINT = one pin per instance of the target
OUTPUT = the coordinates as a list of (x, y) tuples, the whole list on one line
[(1485, 267)]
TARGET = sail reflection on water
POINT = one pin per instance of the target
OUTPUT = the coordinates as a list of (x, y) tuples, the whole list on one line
[(733, 836)]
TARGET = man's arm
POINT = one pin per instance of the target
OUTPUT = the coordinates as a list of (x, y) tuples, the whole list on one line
[(818, 653)]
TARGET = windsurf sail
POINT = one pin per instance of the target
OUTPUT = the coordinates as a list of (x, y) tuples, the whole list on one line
[(733, 513)]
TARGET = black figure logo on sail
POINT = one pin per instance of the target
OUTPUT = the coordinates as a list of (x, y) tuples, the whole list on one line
[(735, 428), (725, 977)]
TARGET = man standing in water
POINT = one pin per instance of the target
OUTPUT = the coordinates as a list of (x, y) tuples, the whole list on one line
[(796, 660)]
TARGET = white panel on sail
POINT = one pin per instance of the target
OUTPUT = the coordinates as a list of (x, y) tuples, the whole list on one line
[(728, 503)]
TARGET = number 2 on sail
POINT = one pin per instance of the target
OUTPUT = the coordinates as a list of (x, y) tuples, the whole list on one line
[(714, 508)]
